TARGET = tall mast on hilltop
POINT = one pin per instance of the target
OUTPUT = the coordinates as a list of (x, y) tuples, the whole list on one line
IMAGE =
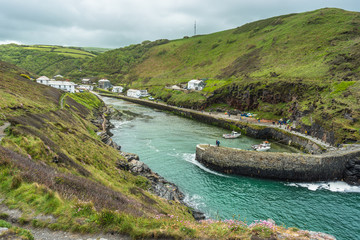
[(195, 28)]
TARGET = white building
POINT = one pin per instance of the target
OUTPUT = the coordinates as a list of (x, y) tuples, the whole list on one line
[(63, 85), (196, 84), (86, 81), (104, 84), (43, 80), (85, 87), (137, 93), (117, 89)]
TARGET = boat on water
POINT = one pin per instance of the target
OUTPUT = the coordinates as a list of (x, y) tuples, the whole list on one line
[(233, 134), (264, 146)]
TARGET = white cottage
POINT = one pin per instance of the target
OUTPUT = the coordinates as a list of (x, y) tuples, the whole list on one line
[(117, 89), (63, 85), (85, 87), (43, 80), (86, 81), (104, 84), (137, 93), (196, 84)]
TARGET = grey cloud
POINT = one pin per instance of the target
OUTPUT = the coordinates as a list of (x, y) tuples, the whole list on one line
[(116, 23)]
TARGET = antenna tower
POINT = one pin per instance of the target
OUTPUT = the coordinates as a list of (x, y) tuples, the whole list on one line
[(195, 28)]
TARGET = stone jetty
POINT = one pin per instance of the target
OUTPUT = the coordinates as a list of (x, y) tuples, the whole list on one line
[(280, 166)]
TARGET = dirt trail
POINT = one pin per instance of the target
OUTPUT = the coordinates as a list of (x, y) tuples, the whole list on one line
[(2, 129), (46, 234), (268, 123)]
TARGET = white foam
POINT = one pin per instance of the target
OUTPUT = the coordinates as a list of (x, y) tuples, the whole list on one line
[(118, 124), (195, 201), (190, 157), (152, 147), (337, 186)]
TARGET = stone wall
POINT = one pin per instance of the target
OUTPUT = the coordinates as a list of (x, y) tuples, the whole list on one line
[(261, 132), (280, 166)]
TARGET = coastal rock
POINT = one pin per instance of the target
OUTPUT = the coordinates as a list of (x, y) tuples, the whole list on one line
[(159, 186)]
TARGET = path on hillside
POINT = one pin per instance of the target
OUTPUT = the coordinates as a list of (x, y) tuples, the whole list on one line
[(270, 124), (263, 122), (62, 98), (14, 216), (2, 129), (46, 234)]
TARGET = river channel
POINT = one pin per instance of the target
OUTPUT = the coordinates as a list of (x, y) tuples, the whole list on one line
[(166, 143)]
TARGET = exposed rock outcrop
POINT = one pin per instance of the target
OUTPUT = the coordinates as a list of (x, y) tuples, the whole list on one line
[(159, 186)]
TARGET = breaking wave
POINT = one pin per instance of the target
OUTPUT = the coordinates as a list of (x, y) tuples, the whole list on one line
[(337, 186), (190, 157)]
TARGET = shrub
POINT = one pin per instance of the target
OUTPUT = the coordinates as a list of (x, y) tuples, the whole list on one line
[(215, 45), (16, 181), (106, 218)]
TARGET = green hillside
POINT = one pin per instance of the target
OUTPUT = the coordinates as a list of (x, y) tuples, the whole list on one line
[(45, 59), (55, 172), (317, 45), (304, 67)]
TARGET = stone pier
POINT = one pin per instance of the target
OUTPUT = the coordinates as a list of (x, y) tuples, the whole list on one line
[(279, 166)]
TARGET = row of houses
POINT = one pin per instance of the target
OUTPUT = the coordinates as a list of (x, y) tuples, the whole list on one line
[(71, 86), (106, 84), (63, 85)]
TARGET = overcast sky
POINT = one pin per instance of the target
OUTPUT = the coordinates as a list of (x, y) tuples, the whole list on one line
[(118, 23)]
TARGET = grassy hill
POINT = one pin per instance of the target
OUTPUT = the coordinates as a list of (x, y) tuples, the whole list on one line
[(317, 45), (304, 67), (45, 59), (57, 173)]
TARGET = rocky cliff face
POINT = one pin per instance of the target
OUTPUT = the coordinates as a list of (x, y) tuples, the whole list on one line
[(280, 98)]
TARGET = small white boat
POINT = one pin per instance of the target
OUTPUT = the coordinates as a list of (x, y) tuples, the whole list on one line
[(264, 146), (233, 134)]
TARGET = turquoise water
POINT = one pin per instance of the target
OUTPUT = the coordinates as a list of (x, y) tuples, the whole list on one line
[(167, 144)]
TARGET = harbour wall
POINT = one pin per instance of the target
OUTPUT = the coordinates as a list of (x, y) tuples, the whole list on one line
[(248, 129), (279, 166)]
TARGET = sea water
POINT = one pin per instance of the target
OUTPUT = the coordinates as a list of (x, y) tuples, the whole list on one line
[(167, 143)]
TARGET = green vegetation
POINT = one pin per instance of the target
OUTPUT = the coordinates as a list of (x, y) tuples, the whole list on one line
[(14, 232), (46, 60), (315, 45), (96, 50), (59, 175)]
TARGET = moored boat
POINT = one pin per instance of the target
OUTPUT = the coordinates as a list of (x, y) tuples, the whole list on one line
[(233, 134), (264, 146)]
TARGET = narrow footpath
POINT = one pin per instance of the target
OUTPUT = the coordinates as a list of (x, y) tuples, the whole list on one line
[(2, 129), (269, 124)]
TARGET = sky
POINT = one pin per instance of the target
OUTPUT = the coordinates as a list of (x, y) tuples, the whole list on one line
[(119, 23)]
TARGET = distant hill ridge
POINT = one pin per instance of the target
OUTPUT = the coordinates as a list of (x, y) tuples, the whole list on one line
[(320, 44), (316, 45)]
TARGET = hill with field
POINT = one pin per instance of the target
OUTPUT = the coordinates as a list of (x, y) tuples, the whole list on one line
[(317, 45), (47, 60), (303, 67)]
